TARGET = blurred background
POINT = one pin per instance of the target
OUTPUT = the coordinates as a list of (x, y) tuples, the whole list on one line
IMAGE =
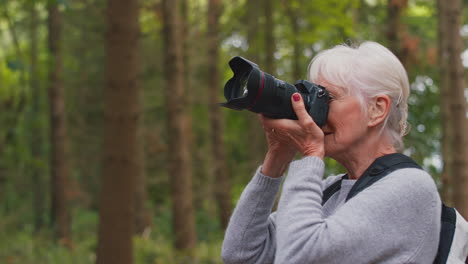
[(113, 148)]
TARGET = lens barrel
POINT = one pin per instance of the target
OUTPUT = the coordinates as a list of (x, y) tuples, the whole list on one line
[(259, 92)]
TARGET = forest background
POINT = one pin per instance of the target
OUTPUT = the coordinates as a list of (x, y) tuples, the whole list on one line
[(113, 148)]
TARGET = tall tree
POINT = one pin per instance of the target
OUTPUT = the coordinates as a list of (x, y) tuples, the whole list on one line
[(36, 137), (178, 127), (395, 28), (445, 101), (221, 177), (257, 148), (268, 26), (292, 12), (142, 213), (121, 116), (253, 30), (85, 82), (60, 214), (458, 106)]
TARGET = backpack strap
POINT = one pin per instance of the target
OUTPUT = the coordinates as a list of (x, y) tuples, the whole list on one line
[(447, 232), (332, 189), (380, 168)]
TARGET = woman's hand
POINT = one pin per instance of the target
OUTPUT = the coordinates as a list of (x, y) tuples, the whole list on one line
[(285, 137), (280, 152)]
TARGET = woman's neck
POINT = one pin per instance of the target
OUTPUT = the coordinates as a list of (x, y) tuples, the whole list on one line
[(359, 158)]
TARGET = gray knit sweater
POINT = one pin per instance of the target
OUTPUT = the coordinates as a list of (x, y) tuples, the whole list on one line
[(395, 220)]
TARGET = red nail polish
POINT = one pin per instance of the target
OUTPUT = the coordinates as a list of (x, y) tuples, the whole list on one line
[(296, 97)]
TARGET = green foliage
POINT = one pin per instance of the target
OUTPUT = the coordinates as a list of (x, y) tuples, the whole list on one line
[(21, 246), (322, 24)]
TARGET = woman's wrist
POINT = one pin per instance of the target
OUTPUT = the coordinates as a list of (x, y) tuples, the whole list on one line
[(320, 155), (314, 152), (275, 164)]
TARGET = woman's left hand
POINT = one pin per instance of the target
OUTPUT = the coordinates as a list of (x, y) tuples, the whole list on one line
[(303, 133)]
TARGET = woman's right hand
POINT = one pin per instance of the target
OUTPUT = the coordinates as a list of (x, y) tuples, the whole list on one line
[(280, 152)]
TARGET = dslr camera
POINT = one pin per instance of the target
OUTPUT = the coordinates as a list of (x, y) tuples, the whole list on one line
[(257, 91)]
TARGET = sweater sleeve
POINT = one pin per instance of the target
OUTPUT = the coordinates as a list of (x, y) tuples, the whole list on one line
[(251, 234), (396, 220)]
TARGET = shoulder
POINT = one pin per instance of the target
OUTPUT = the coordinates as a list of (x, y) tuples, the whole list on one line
[(406, 196), (418, 204), (406, 206), (408, 190), (414, 180), (411, 192)]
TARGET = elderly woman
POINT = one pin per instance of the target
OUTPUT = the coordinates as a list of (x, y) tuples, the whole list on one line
[(394, 220)]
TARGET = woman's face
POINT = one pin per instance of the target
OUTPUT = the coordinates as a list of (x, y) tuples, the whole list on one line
[(347, 123)]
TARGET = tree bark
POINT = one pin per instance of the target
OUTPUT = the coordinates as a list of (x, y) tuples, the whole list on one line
[(120, 149), (36, 137), (255, 135), (445, 100), (268, 7), (253, 30), (179, 128), (458, 107), (222, 181), (87, 96), (395, 28), (142, 213), (292, 14), (60, 214)]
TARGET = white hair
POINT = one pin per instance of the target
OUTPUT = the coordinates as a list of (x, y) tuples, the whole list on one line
[(366, 71)]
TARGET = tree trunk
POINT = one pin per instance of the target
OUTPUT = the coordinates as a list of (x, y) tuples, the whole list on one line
[(394, 31), (143, 217), (120, 149), (253, 30), (142, 213), (179, 128), (268, 7), (36, 137), (255, 134), (293, 17), (60, 214), (87, 95), (222, 181), (445, 101), (458, 107)]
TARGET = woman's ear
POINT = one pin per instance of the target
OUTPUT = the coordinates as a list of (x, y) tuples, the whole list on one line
[(378, 109)]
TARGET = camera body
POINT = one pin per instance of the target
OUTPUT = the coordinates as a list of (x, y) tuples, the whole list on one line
[(259, 92)]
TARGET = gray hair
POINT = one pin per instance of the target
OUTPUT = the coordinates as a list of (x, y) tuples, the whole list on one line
[(366, 71)]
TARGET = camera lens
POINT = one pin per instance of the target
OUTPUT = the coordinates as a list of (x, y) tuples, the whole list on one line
[(259, 92), (243, 91)]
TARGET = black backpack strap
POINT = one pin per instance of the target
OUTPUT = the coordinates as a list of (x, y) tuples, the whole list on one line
[(447, 231), (376, 171), (380, 168), (332, 189)]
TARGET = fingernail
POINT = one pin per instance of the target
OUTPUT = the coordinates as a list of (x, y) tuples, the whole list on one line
[(296, 97)]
